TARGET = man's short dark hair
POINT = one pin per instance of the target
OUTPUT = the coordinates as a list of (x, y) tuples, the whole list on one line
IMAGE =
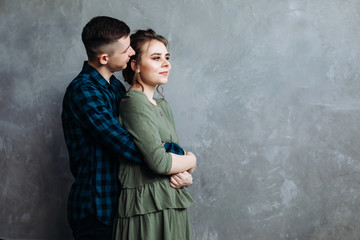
[(100, 31)]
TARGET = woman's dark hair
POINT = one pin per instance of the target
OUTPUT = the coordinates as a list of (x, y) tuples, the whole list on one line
[(100, 31), (137, 41)]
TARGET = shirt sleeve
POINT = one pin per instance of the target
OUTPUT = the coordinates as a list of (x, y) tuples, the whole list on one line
[(92, 111), (139, 119)]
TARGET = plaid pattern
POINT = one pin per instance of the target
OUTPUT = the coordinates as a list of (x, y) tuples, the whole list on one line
[(95, 140), (174, 148)]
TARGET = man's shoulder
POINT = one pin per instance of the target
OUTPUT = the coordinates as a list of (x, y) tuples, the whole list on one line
[(83, 79)]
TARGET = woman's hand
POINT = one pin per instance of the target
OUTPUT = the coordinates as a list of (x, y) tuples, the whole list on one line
[(180, 180)]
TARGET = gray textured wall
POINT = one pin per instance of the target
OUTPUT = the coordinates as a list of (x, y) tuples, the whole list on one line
[(265, 92)]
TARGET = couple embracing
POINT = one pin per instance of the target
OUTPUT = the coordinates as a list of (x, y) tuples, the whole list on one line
[(130, 173)]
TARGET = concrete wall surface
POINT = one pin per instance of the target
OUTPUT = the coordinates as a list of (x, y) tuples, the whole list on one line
[(266, 93)]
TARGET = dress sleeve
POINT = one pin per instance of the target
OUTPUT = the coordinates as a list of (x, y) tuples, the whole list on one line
[(170, 116), (139, 118)]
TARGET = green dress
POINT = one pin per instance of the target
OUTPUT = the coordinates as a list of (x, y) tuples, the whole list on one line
[(149, 208)]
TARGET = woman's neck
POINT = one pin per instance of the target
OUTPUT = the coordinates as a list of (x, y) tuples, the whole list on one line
[(148, 90)]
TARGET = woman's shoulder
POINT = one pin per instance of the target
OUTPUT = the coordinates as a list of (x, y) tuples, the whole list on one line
[(134, 102), (134, 98)]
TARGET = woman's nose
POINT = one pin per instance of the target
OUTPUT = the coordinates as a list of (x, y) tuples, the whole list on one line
[(166, 63)]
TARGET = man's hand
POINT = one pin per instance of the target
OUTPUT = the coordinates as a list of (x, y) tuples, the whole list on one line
[(180, 180)]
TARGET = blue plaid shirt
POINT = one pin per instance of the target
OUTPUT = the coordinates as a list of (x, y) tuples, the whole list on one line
[(95, 141)]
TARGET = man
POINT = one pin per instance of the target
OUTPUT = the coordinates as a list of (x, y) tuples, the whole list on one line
[(93, 135)]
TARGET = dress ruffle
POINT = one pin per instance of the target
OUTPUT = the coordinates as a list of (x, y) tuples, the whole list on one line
[(152, 197)]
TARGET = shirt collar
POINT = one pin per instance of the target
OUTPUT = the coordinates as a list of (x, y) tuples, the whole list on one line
[(97, 76)]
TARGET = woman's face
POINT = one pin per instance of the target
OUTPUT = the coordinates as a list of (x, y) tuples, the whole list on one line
[(154, 66)]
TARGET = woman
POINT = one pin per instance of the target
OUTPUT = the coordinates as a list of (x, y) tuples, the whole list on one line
[(149, 208)]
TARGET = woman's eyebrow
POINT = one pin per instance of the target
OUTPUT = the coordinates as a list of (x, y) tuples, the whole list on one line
[(166, 54)]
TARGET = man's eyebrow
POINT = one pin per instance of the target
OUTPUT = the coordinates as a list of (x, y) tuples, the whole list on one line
[(126, 49)]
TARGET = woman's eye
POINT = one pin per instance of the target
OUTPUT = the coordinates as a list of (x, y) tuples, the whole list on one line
[(156, 59)]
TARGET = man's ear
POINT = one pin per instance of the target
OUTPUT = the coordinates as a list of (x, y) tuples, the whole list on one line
[(103, 58)]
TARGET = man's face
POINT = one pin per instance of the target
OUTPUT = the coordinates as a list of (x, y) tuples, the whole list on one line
[(121, 53)]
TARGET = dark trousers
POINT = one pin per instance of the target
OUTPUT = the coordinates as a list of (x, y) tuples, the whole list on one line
[(90, 228)]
